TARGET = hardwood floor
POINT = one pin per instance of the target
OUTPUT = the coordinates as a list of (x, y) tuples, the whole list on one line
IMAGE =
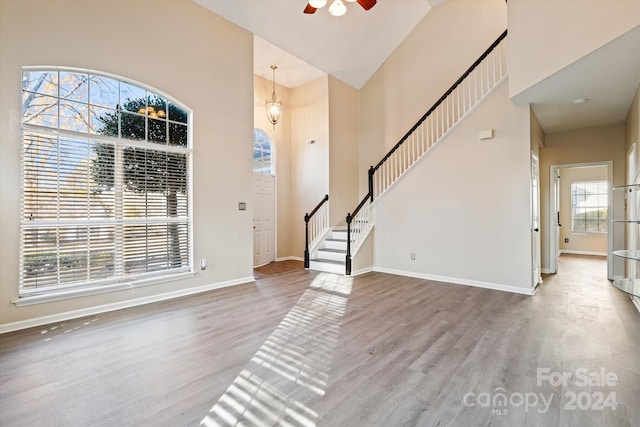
[(315, 349), (277, 267)]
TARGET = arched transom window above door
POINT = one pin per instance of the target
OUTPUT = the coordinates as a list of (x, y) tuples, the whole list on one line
[(262, 153)]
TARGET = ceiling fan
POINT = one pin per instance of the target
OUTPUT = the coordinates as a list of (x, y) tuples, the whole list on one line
[(337, 7)]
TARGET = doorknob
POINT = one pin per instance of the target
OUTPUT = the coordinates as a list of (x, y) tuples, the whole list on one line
[(536, 229)]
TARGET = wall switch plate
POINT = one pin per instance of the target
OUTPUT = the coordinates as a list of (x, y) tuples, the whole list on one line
[(242, 206), (413, 256), (311, 142), (203, 264), (566, 240)]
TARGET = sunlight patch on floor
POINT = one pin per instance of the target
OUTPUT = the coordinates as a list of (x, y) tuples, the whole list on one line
[(292, 366)]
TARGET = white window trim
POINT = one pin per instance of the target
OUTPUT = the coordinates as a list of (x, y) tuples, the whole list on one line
[(573, 232), (272, 148), (76, 292), (63, 292)]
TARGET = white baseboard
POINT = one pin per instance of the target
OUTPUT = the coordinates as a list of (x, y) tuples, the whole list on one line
[(458, 281), (545, 270), (572, 252), (290, 258), (362, 271), (90, 311)]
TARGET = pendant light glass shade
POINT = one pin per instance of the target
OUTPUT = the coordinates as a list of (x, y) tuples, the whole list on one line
[(273, 106), (317, 3)]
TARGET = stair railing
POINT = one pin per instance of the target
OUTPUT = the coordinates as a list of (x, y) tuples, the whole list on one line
[(458, 101), (315, 226), (479, 79), (358, 226)]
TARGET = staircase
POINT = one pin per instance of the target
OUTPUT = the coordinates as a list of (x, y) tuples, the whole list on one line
[(333, 250), (331, 253)]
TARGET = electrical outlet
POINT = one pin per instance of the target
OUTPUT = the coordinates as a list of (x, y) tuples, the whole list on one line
[(413, 256), (566, 240), (203, 264)]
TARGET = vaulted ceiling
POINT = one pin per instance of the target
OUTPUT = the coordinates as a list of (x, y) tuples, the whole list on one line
[(350, 47)]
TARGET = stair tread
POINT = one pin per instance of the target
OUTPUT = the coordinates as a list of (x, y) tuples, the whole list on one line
[(337, 251), (327, 261)]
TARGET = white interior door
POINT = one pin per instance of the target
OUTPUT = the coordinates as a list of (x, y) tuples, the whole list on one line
[(535, 220), (555, 236), (263, 219)]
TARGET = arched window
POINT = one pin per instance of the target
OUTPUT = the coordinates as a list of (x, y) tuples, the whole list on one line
[(106, 182), (262, 153)]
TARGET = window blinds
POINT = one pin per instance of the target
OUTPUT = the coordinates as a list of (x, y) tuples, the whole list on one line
[(101, 210)]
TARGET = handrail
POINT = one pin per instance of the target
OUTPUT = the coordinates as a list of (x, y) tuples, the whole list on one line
[(313, 212), (357, 209), (307, 218), (442, 98)]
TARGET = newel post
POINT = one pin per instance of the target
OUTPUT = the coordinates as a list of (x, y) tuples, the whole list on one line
[(306, 240), (348, 257), (371, 172)]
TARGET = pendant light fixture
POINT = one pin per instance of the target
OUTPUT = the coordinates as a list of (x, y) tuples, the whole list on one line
[(274, 107)]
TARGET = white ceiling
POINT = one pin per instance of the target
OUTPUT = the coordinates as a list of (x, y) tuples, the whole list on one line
[(304, 47), (607, 78), (352, 47)]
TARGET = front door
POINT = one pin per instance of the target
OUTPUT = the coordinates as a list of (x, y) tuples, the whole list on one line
[(263, 219)]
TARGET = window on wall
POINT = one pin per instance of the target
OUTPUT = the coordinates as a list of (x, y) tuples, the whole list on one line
[(106, 182), (589, 202), (262, 154)]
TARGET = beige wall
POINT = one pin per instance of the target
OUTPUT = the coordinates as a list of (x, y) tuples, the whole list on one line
[(421, 69), (371, 128), (280, 135), (343, 150), (595, 144), (579, 242), (200, 59), (455, 210), (537, 133), (309, 163), (325, 110), (464, 209), (546, 36)]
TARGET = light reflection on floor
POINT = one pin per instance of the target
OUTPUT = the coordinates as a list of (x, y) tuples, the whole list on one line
[(62, 328), (292, 367)]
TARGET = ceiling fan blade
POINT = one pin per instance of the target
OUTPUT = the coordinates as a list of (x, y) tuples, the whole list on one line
[(310, 9), (367, 4)]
